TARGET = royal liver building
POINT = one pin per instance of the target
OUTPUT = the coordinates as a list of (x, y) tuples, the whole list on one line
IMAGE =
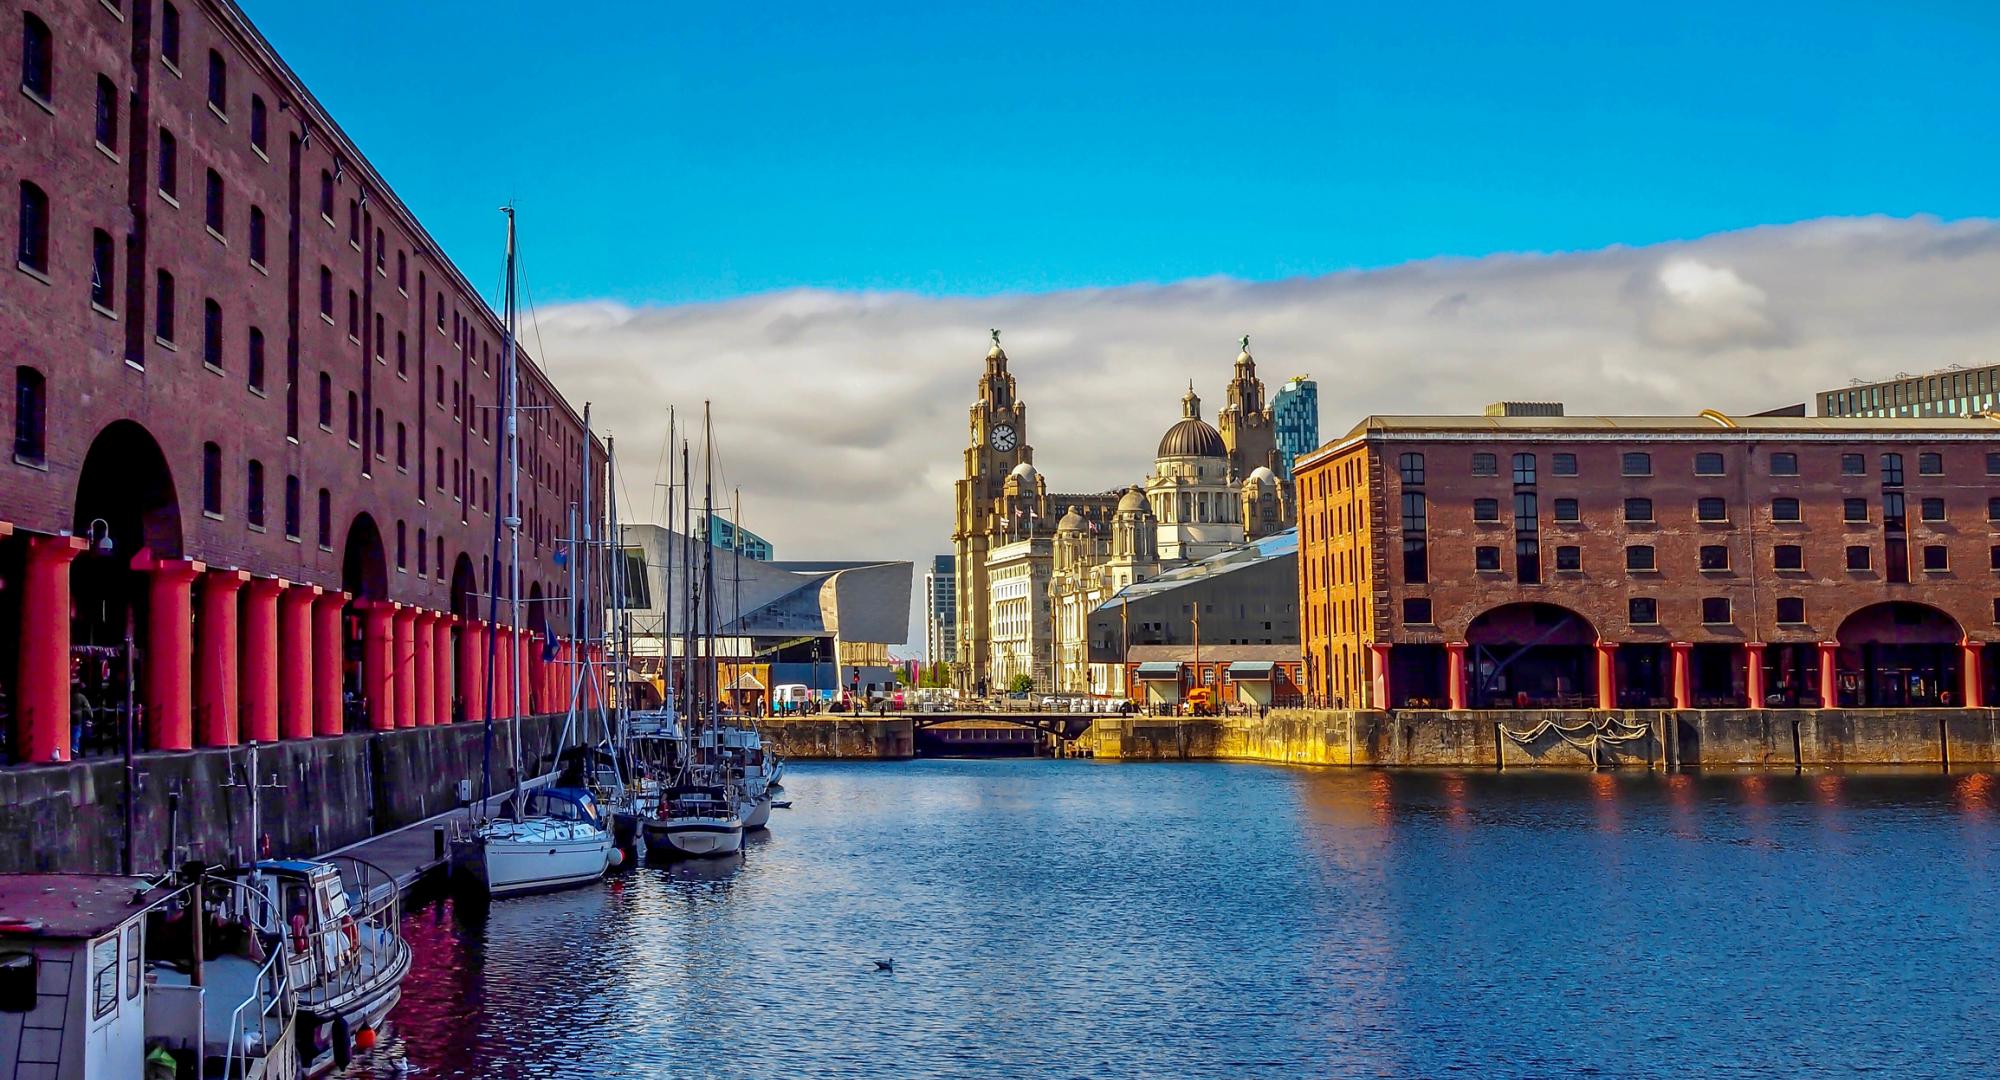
[(1031, 565)]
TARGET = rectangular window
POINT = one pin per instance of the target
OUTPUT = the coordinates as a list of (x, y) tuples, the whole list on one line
[(1417, 610), (1486, 509), (1930, 464), (255, 363), (1563, 464), (1789, 557), (104, 976), (1642, 611), (1711, 509), (170, 34), (1715, 556), (1635, 464), (103, 268), (326, 195), (1638, 510), (1486, 557), (293, 511), (325, 519), (169, 166), (259, 124), (1932, 509), (1715, 610), (1852, 510), (1485, 465), (211, 333), (1524, 468), (1853, 465), (1993, 464), (1784, 509), (1784, 464), (1639, 557), (1708, 465), (211, 479), (1858, 557), (1566, 510), (163, 311), (218, 82), (1935, 558), (402, 447), (257, 237), (1569, 557), (1411, 468), (1791, 610)]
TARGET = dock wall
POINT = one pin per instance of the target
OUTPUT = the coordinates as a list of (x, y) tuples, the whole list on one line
[(1742, 738), (834, 736), (314, 795)]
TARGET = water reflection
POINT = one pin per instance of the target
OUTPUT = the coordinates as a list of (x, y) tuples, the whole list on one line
[(1071, 918)]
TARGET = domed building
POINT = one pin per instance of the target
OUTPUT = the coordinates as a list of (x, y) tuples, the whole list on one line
[(1196, 506)]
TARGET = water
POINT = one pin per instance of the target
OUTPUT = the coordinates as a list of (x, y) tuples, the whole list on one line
[(1054, 919)]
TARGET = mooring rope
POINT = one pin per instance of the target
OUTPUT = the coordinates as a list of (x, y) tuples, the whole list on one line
[(1609, 730)]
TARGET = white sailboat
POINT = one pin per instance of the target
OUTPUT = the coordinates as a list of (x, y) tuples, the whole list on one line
[(549, 838)]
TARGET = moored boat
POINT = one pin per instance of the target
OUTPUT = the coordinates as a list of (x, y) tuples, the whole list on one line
[(695, 823), (559, 840)]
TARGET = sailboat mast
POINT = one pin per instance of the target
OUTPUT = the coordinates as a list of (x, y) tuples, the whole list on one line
[(614, 589), (667, 621), (586, 551), (708, 560), (687, 565), (510, 391)]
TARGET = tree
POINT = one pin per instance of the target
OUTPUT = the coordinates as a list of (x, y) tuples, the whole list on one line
[(1021, 683)]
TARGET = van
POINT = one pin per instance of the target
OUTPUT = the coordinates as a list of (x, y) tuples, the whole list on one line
[(790, 698)]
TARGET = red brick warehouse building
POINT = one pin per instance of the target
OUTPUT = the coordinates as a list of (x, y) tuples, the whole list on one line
[(253, 408), (1636, 562)]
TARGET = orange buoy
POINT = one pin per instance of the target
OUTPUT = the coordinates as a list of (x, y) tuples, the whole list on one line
[(364, 1039)]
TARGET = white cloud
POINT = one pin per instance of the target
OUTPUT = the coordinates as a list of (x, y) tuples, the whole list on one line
[(843, 415)]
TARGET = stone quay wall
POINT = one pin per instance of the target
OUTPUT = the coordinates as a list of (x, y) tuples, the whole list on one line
[(314, 795), (834, 737), (1719, 738)]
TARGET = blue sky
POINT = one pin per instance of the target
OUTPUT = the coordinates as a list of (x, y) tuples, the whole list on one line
[(667, 153)]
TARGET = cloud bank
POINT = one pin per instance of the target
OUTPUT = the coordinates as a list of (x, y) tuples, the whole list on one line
[(843, 415)]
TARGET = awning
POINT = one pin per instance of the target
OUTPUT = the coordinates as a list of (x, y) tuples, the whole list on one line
[(1251, 669), (1159, 669), (745, 681)]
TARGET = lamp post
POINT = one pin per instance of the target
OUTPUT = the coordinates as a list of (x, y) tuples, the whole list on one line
[(98, 533)]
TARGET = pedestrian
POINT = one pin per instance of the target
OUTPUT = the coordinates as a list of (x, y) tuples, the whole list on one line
[(79, 713)]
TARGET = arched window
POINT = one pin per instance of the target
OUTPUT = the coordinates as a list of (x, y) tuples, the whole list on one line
[(402, 271), (403, 355), (440, 469), (292, 509), (402, 446), (169, 165), (326, 294), (325, 519), (253, 494), (211, 333), (438, 383), (402, 548), (257, 237), (440, 557), (354, 314), (255, 360), (107, 113), (326, 201), (326, 401), (218, 82), (170, 35), (423, 553), (211, 479), (103, 268), (163, 312), (380, 348), (38, 59), (31, 415), (353, 418), (33, 250), (381, 431), (259, 124)]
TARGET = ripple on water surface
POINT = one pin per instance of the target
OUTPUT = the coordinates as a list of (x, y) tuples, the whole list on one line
[(1080, 919)]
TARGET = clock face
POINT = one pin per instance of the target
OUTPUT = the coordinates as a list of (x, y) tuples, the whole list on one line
[(1003, 437)]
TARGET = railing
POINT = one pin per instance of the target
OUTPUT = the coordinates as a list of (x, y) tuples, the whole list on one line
[(272, 995)]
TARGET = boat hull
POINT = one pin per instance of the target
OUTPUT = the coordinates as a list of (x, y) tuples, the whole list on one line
[(518, 865), (693, 839), (756, 813)]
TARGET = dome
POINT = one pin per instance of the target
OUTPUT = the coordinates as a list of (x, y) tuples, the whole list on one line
[(1025, 471), (1133, 502), (1192, 437), (1262, 476), (1072, 522)]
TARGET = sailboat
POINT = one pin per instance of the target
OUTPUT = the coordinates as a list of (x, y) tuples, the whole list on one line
[(699, 815), (551, 837)]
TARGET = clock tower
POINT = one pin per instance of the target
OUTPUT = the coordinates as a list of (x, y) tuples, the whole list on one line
[(998, 444)]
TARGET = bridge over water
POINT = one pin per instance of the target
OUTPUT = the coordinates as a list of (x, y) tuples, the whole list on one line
[(1065, 726)]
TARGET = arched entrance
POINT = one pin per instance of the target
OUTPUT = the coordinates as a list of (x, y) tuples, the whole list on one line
[(364, 576), (1899, 654), (125, 502), (1535, 656), (464, 588)]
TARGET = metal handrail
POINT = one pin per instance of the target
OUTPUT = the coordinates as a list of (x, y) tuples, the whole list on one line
[(275, 972)]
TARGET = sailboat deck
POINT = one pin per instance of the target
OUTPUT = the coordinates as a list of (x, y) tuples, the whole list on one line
[(410, 854)]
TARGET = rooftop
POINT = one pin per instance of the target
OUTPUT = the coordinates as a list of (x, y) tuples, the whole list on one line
[(1708, 422), (1278, 545), (72, 905)]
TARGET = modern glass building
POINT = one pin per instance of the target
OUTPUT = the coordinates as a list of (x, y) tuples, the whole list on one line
[(941, 612), (1952, 392), (724, 534), (1295, 414)]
